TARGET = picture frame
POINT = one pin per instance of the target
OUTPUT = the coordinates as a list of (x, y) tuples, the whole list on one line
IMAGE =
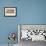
[(10, 11), (41, 28)]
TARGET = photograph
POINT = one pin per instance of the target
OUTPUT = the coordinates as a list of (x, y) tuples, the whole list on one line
[(10, 11)]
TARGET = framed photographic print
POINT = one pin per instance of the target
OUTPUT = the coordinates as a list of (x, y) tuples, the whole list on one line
[(10, 11)]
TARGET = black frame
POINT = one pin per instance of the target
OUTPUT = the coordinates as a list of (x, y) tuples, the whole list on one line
[(10, 7)]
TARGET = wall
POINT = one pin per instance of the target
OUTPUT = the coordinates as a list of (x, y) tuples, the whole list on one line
[(28, 12)]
